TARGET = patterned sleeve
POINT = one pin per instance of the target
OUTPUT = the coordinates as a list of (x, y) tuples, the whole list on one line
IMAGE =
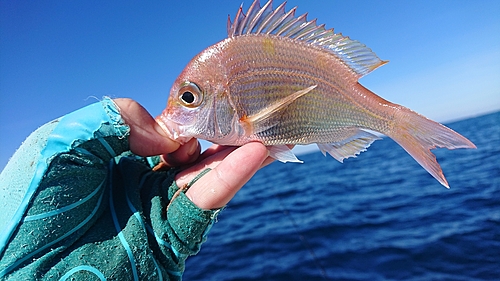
[(79, 206)]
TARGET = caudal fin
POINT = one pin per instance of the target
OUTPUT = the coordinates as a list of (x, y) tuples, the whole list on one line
[(418, 135)]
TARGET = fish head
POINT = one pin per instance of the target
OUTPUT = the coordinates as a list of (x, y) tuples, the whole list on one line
[(198, 95)]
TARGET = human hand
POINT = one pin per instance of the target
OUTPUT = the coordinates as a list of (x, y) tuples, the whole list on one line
[(231, 167), (147, 138)]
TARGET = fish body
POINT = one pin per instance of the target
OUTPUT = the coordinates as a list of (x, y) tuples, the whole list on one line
[(280, 79)]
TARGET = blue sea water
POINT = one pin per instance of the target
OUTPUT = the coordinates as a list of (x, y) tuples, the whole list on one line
[(376, 217)]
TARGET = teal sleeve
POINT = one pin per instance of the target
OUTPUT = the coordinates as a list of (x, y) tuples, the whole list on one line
[(21, 178), (82, 207)]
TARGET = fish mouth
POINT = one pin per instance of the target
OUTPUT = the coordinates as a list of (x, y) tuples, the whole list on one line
[(172, 129)]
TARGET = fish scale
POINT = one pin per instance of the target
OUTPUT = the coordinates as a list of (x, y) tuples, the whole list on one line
[(281, 79), (301, 73), (304, 74)]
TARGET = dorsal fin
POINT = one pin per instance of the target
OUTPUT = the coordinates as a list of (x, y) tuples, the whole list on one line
[(265, 20)]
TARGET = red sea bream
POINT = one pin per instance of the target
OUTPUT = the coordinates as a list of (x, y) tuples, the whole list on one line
[(280, 79)]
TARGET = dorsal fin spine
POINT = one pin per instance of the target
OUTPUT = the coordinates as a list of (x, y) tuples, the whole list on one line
[(318, 37), (307, 29), (297, 26), (260, 15), (273, 13), (231, 26), (247, 16), (290, 14), (264, 20)]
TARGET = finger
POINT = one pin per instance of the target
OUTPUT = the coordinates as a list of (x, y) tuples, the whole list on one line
[(214, 149), (187, 153), (217, 148), (210, 162), (268, 161), (210, 158), (217, 187), (146, 138)]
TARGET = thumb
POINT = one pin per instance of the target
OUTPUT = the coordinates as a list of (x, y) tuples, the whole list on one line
[(146, 138)]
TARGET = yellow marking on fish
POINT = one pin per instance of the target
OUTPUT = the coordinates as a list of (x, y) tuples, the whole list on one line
[(268, 46), (321, 62)]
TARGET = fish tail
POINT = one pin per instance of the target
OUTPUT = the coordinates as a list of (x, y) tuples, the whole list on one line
[(418, 135)]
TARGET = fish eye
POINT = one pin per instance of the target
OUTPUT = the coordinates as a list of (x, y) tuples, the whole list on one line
[(190, 94), (187, 97)]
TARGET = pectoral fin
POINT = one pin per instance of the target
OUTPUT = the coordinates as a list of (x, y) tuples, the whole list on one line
[(251, 123), (356, 143)]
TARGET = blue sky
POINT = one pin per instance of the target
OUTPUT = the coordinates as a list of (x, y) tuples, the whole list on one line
[(58, 56)]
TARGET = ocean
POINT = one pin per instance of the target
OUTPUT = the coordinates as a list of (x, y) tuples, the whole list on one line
[(379, 216)]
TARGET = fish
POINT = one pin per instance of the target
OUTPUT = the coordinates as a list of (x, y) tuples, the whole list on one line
[(282, 80)]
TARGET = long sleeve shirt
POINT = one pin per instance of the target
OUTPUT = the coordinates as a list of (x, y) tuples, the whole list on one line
[(76, 204)]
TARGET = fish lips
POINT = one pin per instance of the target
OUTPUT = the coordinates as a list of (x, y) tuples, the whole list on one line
[(172, 129)]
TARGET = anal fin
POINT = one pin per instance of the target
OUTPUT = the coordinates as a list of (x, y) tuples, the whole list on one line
[(353, 145)]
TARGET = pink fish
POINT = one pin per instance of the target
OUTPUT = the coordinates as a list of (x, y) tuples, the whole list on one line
[(281, 79)]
